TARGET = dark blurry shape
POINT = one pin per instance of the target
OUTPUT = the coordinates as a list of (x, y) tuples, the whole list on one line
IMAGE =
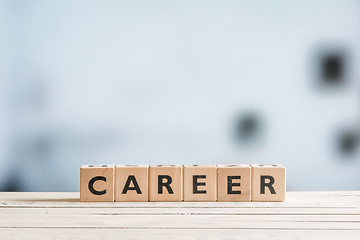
[(331, 67), (12, 184), (247, 128), (348, 142)]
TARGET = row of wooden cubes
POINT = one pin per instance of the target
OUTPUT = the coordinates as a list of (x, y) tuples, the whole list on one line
[(142, 183)]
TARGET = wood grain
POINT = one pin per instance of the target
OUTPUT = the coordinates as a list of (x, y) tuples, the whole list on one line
[(304, 215)]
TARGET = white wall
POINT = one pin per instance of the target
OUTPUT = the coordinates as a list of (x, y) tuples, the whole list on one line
[(163, 82)]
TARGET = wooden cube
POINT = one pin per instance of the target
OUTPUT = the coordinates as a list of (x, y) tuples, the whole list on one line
[(200, 183), (234, 183), (97, 183), (268, 183), (165, 183), (131, 183)]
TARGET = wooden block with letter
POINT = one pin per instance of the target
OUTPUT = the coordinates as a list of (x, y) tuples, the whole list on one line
[(234, 183), (200, 183), (268, 183), (97, 183), (165, 183), (131, 183)]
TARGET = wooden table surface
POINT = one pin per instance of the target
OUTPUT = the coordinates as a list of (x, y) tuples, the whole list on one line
[(304, 215)]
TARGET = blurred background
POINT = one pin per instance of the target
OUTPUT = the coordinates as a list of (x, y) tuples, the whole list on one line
[(145, 82)]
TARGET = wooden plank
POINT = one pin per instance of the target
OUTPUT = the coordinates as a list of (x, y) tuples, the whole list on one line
[(135, 234), (180, 221), (293, 200), (304, 215), (183, 211)]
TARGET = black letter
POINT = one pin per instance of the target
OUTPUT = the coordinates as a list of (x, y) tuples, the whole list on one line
[(127, 187), (269, 184), (231, 184), (196, 184), (166, 184), (91, 185)]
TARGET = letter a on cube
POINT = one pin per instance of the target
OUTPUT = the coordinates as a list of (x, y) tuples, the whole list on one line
[(268, 183), (131, 183), (97, 183)]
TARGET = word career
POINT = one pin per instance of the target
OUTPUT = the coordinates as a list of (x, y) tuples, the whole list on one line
[(166, 183)]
